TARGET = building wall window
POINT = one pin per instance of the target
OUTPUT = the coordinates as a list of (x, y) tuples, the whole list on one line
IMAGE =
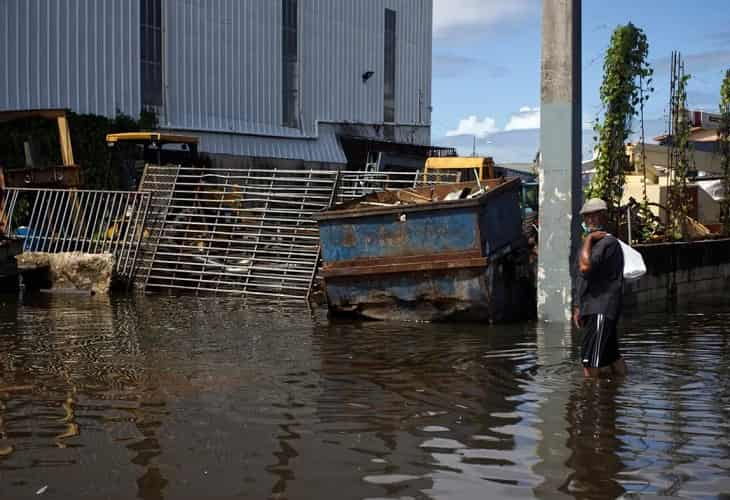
[(151, 52), (290, 68), (389, 67)]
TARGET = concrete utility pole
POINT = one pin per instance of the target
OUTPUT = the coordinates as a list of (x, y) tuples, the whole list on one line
[(560, 146)]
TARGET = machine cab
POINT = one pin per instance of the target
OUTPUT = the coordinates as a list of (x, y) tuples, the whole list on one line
[(459, 169), (131, 151)]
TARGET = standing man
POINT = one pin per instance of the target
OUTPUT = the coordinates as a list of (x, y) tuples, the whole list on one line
[(599, 290)]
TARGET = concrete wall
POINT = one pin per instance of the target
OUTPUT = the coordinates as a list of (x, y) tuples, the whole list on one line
[(677, 271)]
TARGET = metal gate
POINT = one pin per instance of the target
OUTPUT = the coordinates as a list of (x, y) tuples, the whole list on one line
[(159, 183), (237, 231), (56, 221)]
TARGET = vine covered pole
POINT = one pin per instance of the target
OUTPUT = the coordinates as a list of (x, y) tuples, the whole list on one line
[(724, 139), (560, 164), (626, 87), (646, 217), (679, 151), (670, 135)]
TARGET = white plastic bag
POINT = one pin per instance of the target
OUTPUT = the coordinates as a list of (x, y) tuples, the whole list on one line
[(634, 267)]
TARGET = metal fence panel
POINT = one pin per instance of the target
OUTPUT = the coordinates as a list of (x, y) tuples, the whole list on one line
[(236, 231), (56, 221), (159, 183)]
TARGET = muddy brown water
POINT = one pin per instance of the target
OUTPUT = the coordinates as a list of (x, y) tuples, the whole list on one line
[(162, 397)]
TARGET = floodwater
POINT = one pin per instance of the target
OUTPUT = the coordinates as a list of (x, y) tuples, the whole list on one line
[(162, 397)]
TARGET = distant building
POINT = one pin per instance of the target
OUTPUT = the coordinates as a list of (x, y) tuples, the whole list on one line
[(705, 189), (283, 79), (703, 131)]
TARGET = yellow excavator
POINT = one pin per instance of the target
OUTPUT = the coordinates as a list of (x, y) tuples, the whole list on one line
[(479, 169), (460, 168), (131, 151), (67, 175)]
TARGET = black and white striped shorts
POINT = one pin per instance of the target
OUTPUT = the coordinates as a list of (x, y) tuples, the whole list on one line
[(600, 343)]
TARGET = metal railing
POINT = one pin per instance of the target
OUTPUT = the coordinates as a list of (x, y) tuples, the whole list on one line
[(237, 231), (354, 184), (56, 221)]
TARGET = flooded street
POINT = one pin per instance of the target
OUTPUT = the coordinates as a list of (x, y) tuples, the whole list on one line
[(161, 397)]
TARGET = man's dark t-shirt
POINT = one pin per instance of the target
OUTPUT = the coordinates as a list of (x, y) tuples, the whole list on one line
[(600, 290)]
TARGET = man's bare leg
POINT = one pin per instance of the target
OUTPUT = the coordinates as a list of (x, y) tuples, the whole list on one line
[(619, 367), (591, 372)]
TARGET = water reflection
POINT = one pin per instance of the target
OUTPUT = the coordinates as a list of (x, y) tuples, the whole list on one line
[(594, 440), (161, 397), (83, 368)]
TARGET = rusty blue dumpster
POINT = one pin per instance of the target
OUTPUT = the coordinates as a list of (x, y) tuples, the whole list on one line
[(417, 255)]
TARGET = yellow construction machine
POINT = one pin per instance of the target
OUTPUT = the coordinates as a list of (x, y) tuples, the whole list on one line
[(67, 175)]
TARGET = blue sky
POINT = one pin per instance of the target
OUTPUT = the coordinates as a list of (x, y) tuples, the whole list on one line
[(487, 64)]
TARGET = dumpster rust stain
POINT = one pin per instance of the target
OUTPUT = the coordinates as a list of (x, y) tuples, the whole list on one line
[(395, 238), (349, 239)]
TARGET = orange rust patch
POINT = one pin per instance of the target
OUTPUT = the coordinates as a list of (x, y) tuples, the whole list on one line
[(348, 239)]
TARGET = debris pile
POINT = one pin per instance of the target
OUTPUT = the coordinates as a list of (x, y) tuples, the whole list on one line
[(422, 195), (72, 270)]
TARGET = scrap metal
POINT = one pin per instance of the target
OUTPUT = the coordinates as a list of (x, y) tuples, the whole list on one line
[(354, 184), (247, 232)]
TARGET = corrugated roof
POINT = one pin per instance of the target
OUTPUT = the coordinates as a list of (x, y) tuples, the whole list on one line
[(324, 149)]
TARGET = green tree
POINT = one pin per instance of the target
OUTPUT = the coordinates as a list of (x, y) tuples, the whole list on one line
[(626, 87), (724, 137)]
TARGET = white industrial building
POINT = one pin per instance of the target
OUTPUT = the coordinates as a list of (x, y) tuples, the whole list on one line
[(282, 79)]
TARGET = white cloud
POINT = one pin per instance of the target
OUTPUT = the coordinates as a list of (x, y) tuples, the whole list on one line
[(454, 16), (527, 119), (474, 126)]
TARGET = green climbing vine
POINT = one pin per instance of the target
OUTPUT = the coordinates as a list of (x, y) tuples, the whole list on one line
[(645, 221), (626, 87), (724, 137)]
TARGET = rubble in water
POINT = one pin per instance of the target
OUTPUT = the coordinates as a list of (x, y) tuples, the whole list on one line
[(73, 270)]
